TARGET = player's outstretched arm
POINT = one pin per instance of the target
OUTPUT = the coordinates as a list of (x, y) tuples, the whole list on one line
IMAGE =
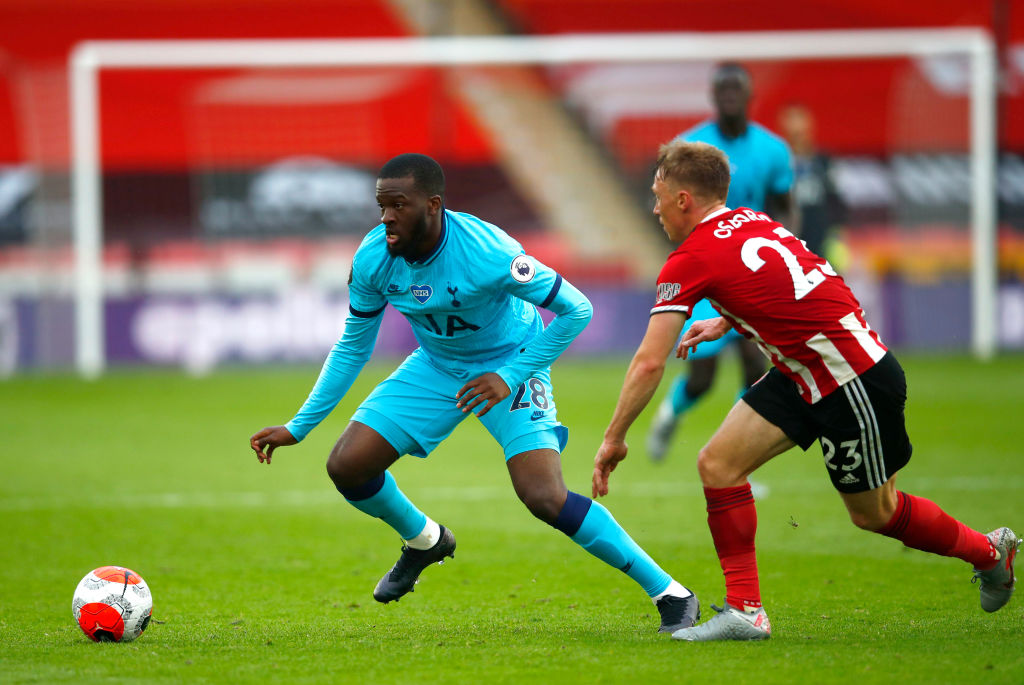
[(343, 364), (642, 379), (366, 304), (704, 330), (265, 441)]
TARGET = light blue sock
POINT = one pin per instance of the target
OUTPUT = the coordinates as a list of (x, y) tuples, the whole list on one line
[(681, 401), (601, 535), (391, 506)]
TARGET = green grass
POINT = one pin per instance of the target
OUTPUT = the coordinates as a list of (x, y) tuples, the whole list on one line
[(264, 573)]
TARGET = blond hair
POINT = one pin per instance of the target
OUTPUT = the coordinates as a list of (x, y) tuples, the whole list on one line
[(700, 168)]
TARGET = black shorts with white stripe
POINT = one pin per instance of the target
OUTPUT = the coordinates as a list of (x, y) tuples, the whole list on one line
[(860, 426)]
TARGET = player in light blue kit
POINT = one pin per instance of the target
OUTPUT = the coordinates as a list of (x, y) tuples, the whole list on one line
[(762, 176), (471, 296)]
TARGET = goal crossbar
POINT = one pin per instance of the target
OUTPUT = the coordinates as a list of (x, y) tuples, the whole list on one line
[(89, 58)]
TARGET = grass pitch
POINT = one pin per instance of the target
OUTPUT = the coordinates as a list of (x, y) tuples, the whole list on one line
[(264, 573)]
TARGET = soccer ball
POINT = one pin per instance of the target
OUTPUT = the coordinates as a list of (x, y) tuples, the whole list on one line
[(112, 604)]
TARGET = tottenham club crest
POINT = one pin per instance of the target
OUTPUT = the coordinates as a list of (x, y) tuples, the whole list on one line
[(523, 269)]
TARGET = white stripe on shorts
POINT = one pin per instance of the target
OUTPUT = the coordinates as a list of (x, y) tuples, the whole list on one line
[(875, 433), (872, 449)]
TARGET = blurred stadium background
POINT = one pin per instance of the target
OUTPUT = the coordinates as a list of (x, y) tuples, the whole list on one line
[(233, 199)]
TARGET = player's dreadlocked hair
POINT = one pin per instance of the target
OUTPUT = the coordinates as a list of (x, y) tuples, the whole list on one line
[(699, 167), (426, 173)]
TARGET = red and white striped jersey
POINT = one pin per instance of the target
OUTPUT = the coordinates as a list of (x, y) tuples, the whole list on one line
[(776, 292)]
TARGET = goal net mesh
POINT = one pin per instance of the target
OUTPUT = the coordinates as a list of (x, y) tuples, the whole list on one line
[(233, 195)]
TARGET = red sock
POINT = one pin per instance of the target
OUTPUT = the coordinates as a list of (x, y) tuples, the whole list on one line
[(732, 519), (921, 524)]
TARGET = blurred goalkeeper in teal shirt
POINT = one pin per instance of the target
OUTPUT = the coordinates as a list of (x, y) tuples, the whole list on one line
[(761, 168), (471, 295)]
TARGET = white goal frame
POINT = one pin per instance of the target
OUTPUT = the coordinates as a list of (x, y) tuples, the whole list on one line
[(88, 59)]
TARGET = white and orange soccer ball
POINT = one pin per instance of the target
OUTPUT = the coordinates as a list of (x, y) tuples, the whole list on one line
[(112, 604)]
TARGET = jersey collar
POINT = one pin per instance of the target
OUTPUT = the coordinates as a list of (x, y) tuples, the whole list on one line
[(441, 240), (712, 215)]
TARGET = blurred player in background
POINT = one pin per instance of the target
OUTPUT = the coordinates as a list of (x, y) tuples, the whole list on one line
[(471, 296), (762, 173), (820, 206), (833, 380)]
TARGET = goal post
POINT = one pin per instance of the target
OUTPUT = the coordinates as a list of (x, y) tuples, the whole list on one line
[(90, 58)]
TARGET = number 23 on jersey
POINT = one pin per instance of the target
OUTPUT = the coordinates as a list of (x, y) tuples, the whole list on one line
[(803, 282)]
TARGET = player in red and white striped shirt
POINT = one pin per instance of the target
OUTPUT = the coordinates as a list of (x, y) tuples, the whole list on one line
[(832, 381), (816, 336)]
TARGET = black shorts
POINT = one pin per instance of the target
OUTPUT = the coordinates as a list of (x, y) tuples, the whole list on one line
[(860, 426)]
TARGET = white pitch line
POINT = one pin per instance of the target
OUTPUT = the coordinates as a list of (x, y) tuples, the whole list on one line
[(327, 496)]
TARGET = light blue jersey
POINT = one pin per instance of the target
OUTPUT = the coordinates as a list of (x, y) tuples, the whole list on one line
[(470, 300), (759, 162), (472, 304)]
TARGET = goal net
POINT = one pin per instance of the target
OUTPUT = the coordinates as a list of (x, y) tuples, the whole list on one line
[(221, 187)]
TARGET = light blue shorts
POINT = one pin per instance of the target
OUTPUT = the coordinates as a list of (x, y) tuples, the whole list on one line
[(706, 350), (414, 410)]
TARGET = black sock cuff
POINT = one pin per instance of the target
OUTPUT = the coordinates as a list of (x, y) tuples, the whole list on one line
[(575, 509), (364, 491)]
